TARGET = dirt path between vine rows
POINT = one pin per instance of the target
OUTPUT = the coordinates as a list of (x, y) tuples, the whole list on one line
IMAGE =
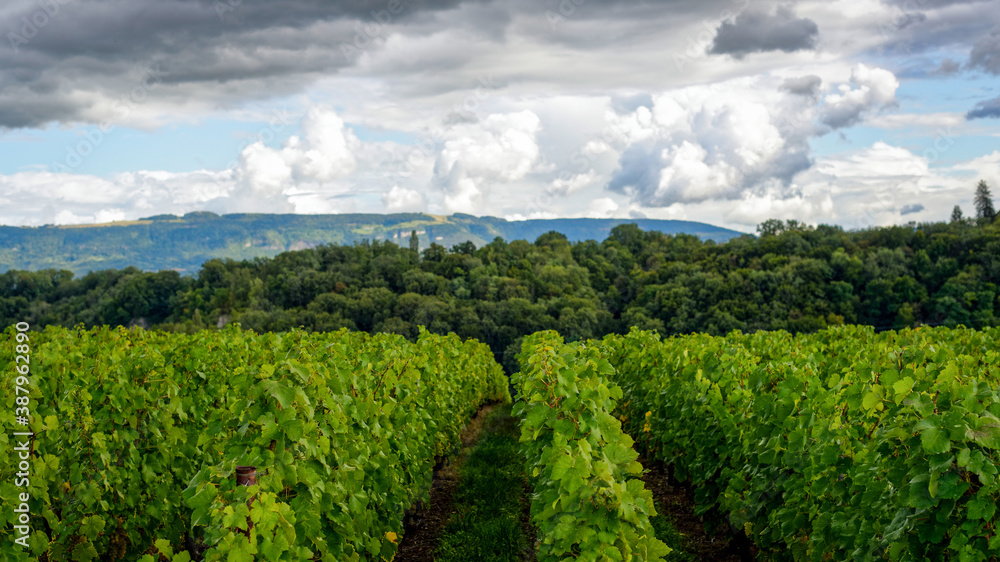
[(423, 526), (677, 504)]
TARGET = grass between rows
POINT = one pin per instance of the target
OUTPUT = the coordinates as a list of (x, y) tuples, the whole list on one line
[(490, 500)]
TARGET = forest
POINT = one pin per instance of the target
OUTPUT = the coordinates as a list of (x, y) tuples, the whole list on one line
[(790, 277)]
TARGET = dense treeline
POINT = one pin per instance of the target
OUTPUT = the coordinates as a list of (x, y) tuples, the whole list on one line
[(791, 277)]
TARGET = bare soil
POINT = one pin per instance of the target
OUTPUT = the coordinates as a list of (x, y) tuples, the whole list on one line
[(675, 500), (527, 527)]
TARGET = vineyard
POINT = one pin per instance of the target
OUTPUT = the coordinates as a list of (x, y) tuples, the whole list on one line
[(138, 435), (843, 444), (839, 445)]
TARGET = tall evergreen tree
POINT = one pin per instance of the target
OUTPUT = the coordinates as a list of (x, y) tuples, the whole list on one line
[(956, 214), (984, 203), (414, 241)]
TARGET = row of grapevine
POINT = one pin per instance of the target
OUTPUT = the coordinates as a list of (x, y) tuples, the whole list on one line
[(844, 444), (588, 502), (137, 435)]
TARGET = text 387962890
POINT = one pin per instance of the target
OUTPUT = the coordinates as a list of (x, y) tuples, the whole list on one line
[(22, 439)]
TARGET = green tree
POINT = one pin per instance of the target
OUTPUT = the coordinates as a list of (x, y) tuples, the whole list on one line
[(984, 203), (956, 214), (629, 236), (771, 227), (466, 248), (414, 242)]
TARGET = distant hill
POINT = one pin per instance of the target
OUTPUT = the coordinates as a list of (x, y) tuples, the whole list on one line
[(184, 243)]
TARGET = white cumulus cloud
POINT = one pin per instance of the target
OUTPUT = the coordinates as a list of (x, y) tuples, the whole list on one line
[(499, 149), (265, 176), (870, 89), (402, 200)]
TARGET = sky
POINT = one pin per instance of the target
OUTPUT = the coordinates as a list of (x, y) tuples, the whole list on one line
[(855, 113)]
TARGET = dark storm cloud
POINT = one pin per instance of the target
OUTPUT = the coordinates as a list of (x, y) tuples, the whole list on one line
[(947, 68), (985, 109), (985, 54), (638, 174), (59, 56), (914, 6), (127, 28), (912, 27), (219, 54), (756, 31), (789, 165), (803, 85), (910, 209)]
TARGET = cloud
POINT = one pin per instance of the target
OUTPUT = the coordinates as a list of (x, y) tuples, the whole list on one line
[(78, 67), (686, 176), (902, 120), (303, 175), (602, 208), (38, 198), (985, 167), (756, 31), (328, 147), (265, 176), (863, 188), (985, 109), (101, 216), (947, 67), (747, 135), (753, 209), (985, 54), (907, 27), (572, 183), (728, 138), (628, 104), (874, 88), (69, 217), (402, 200), (803, 85), (709, 145), (500, 148), (875, 164)]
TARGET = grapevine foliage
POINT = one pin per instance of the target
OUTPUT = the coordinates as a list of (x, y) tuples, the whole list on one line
[(138, 434), (589, 502), (839, 445)]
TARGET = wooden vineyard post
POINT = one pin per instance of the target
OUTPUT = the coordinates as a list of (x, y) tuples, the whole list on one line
[(247, 476)]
